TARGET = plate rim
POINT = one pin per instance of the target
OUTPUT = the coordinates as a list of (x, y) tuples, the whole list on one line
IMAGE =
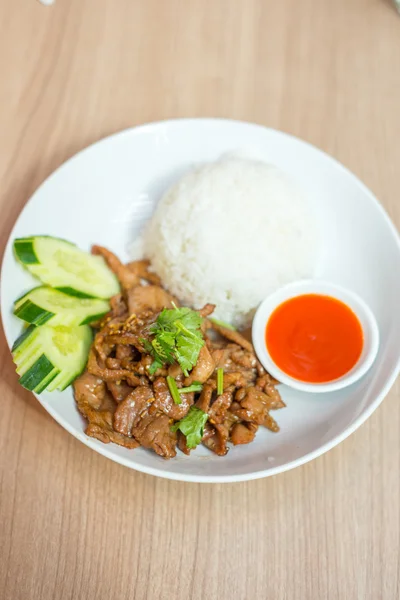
[(166, 474)]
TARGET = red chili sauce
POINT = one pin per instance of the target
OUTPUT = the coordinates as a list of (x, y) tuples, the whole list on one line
[(314, 338)]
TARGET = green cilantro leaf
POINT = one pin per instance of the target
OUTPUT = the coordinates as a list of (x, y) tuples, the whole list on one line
[(146, 345), (192, 426), (168, 317), (187, 351), (177, 337)]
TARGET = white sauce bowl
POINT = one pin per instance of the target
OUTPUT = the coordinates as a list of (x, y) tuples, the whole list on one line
[(352, 300)]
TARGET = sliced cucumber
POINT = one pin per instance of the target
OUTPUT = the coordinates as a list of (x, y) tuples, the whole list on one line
[(38, 375), (64, 266), (51, 357), (47, 305)]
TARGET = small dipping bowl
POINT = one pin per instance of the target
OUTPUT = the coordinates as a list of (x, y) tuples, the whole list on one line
[(360, 309)]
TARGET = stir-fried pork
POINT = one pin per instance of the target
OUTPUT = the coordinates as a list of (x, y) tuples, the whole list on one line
[(129, 411), (148, 297), (164, 401), (204, 368), (97, 406), (127, 401)]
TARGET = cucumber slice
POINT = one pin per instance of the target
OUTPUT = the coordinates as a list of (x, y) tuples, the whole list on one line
[(51, 357), (62, 265), (37, 376), (61, 382), (19, 342), (46, 305)]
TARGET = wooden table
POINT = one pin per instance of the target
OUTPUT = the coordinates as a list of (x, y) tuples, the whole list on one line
[(74, 525)]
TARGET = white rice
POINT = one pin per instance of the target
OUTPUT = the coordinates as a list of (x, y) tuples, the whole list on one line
[(230, 233)]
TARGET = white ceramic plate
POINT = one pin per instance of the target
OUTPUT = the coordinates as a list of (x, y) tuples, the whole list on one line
[(105, 194)]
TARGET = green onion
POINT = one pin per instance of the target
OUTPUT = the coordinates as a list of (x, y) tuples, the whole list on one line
[(223, 324), (195, 387), (173, 388), (220, 381)]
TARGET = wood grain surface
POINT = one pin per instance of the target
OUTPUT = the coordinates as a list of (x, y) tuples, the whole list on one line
[(74, 525)]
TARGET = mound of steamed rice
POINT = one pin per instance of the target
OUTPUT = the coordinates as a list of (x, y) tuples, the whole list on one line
[(230, 233)]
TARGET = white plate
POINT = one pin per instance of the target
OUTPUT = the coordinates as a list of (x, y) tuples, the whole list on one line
[(105, 194)]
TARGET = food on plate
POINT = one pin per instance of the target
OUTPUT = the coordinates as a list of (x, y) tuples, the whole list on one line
[(51, 357), (164, 376), (162, 372), (314, 338), (158, 374), (53, 350), (47, 305), (62, 265), (230, 233)]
